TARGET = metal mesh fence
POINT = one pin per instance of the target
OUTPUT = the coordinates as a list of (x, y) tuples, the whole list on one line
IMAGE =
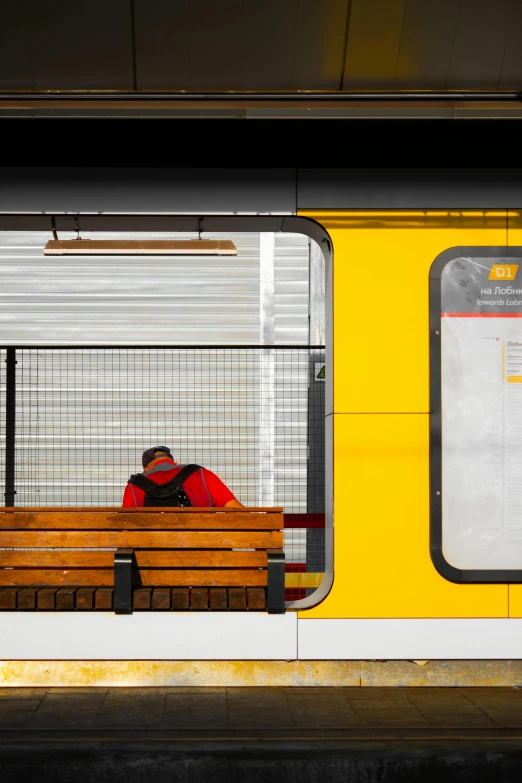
[(85, 415)]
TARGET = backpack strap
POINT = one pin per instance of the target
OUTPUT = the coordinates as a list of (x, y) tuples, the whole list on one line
[(147, 485), (142, 482)]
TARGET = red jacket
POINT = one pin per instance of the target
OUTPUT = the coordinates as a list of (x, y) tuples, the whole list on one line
[(203, 487)]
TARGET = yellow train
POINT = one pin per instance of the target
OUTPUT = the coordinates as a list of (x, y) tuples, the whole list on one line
[(385, 597)]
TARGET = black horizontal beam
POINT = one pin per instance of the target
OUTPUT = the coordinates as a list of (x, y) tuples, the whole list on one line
[(300, 95), (116, 347), (284, 143)]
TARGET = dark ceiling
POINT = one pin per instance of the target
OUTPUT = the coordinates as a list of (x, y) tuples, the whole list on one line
[(206, 45)]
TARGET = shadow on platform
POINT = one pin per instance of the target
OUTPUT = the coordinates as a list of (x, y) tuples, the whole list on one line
[(260, 734)]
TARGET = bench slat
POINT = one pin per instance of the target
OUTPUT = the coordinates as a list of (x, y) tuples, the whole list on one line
[(85, 599), (8, 598), (256, 598), (148, 510), (52, 558), (218, 598), (237, 599), (181, 599), (92, 577), (103, 598), (143, 539), (27, 599), (96, 520), (48, 577), (65, 599), (161, 599), (199, 599), (141, 598), (46, 599)]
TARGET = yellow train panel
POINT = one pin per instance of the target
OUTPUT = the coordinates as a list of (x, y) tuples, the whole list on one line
[(515, 227), (381, 267), (382, 564), (515, 600)]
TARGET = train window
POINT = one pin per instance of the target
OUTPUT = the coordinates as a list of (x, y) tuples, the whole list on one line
[(476, 413), (222, 359)]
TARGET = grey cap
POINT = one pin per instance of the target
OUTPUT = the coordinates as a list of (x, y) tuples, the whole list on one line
[(149, 455)]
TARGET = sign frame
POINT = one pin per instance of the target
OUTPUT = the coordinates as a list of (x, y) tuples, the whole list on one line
[(445, 568)]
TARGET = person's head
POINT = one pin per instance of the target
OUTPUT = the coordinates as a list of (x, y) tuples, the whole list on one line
[(156, 452)]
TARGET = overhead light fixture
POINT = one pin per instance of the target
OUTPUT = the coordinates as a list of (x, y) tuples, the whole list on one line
[(140, 247)]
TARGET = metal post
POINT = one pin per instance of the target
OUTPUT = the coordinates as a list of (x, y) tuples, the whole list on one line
[(10, 426), (266, 371)]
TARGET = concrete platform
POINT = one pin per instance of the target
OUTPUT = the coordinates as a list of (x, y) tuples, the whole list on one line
[(260, 734)]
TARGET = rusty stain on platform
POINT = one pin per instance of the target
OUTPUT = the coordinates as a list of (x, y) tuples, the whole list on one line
[(259, 673)]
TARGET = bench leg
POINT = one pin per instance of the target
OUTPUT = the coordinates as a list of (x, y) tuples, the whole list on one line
[(276, 581), (123, 561)]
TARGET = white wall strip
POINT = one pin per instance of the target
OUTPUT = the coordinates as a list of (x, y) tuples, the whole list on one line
[(147, 636), (462, 639), (245, 636)]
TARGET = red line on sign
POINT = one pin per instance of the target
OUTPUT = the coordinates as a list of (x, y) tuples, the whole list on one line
[(481, 315)]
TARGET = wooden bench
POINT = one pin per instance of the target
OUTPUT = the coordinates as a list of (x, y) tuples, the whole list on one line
[(125, 559)]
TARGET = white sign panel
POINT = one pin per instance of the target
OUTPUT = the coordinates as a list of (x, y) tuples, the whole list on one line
[(481, 388)]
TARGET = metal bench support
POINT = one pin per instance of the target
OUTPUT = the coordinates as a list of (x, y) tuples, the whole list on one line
[(275, 603), (123, 562)]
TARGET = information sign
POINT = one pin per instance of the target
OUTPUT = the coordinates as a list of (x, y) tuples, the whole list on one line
[(481, 411)]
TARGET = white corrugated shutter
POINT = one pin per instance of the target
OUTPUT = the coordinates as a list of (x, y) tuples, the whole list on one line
[(148, 299)]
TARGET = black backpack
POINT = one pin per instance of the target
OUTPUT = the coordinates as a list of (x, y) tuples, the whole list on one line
[(171, 494)]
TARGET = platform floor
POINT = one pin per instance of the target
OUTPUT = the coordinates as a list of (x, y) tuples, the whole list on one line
[(233, 710), (309, 734)]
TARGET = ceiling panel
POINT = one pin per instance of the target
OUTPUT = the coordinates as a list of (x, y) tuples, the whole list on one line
[(511, 74), (216, 46), (199, 45), (17, 68), (321, 36), (268, 53), (66, 45), (480, 44), (204, 45), (163, 50), (426, 44), (274, 45), (374, 38)]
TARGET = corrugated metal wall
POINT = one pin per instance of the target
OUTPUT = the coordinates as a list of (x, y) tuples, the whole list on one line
[(2, 424), (148, 299), (85, 416)]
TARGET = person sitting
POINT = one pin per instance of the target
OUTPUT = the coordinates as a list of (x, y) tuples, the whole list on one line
[(165, 483)]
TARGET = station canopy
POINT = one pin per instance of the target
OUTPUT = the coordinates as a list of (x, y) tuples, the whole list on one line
[(138, 46)]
